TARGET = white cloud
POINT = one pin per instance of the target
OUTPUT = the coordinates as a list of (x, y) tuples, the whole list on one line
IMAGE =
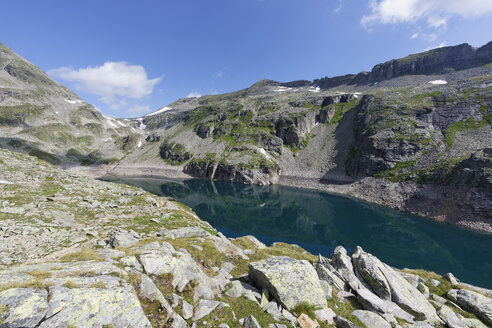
[(113, 82), (339, 7), (442, 44), (137, 110), (435, 12), (219, 74), (414, 36), (194, 95)]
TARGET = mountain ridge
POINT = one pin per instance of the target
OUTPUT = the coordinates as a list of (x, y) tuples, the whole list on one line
[(404, 142)]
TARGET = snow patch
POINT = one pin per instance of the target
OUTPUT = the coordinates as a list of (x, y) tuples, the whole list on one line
[(139, 144), (162, 110), (121, 123), (438, 82), (112, 124), (76, 101), (282, 89), (5, 182), (141, 126), (264, 153), (313, 89)]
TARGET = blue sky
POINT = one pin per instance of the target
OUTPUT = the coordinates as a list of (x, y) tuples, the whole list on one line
[(129, 58)]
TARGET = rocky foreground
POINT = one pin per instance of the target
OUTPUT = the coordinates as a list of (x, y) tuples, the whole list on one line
[(77, 252)]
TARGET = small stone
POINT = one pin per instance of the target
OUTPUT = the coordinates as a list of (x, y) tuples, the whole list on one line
[(200, 248), (251, 322), (435, 282), (187, 310), (371, 319), (265, 296), (451, 278), (204, 308), (178, 321), (325, 315), (306, 322)]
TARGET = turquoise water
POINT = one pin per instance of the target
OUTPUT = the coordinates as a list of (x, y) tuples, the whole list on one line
[(320, 221)]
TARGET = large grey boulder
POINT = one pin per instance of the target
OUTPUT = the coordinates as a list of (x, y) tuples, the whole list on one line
[(453, 320), (372, 302), (25, 307), (290, 281), (389, 283), (186, 232), (371, 319), (326, 272), (123, 238), (368, 268), (480, 305), (184, 269), (149, 291), (94, 307)]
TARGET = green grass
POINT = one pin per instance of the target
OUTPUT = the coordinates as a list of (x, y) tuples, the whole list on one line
[(397, 172), (345, 308), (461, 126), (86, 254), (242, 308)]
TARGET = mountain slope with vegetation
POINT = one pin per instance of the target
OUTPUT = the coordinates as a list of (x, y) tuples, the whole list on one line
[(414, 133)]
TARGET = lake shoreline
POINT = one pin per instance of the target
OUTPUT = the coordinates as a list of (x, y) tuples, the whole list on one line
[(439, 203)]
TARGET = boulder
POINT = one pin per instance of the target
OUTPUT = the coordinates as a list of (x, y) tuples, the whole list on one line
[(341, 322), (370, 319), (274, 310), (178, 321), (149, 291), (187, 310), (291, 282), (372, 302), (123, 238), (251, 322), (327, 273), (94, 307), (186, 232), (453, 320), (204, 308), (389, 283), (325, 315), (451, 278), (132, 262), (368, 268), (478, 304), (239, 289), (25, 307), (306, 322)]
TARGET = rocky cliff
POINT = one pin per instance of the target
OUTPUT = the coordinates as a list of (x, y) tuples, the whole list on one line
[(437, 61)]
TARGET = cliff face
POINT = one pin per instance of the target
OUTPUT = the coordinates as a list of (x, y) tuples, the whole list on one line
[(437, 61)]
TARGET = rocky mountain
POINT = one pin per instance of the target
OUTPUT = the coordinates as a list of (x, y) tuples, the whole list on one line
[(78, 252), (43, 118), (414, 133)]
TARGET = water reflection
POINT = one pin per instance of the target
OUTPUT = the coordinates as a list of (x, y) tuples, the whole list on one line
[(320, 221)]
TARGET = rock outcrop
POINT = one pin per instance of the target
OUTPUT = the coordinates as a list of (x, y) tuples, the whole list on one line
[(290, 281)]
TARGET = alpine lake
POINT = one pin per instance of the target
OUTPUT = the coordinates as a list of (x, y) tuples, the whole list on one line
[(319, 221)]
